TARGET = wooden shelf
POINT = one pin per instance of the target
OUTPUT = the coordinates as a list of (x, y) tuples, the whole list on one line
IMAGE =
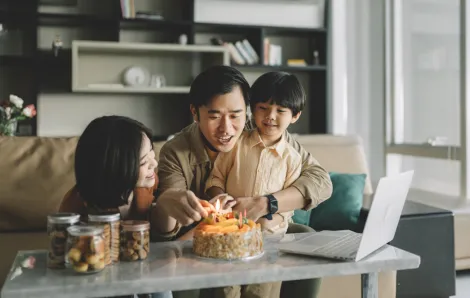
[(66, 19), (133, 47), (15, 60), (144, 90), (284, 67), (175, 62), (243, 28), (142, 23)]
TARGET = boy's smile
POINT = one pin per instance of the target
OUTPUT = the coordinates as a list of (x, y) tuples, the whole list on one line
[(272, 120)]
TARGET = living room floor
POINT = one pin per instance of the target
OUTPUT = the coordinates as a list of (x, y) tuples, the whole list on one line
[(463, 284)]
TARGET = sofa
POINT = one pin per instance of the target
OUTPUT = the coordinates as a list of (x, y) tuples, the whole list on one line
[(36, 172)]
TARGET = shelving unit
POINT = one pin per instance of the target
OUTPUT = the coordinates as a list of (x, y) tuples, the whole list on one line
[(99, 29), (96, 62)]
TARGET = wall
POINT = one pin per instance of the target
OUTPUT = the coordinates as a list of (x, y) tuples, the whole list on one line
[(68, 114), (357, 88)]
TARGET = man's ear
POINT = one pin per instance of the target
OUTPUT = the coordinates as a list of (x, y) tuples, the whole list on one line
[(295, 118), (194, 113)]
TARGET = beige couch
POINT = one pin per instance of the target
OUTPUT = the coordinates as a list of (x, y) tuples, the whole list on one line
[(36, 172)]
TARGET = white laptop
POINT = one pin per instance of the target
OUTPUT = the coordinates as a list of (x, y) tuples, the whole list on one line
[(380, 228)]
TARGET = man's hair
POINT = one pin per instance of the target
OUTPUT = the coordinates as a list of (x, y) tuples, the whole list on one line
[(217, 80), (107, 160), (282, 88)]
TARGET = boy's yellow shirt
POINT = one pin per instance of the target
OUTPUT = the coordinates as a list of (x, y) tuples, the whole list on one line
[(253, 169)]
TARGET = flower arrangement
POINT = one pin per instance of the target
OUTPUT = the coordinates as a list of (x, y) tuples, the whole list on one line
[(12, 111)]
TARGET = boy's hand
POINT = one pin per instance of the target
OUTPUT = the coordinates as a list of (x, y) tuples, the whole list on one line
[(226, 202), (256, 207)]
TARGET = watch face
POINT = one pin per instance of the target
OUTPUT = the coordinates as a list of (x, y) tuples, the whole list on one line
[(273, 205), (136, 76)]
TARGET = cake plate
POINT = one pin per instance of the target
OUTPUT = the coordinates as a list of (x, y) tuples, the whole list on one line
[(244, 259)]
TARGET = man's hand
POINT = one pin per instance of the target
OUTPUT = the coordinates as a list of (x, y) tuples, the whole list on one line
[(255, 207), (184, 206), (226, 202)]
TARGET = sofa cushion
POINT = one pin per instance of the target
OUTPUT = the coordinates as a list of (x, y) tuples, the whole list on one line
[(341, 211), (35, 174), (343, 154)]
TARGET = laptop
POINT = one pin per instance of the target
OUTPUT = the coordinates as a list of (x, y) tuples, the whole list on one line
[(380, 228)]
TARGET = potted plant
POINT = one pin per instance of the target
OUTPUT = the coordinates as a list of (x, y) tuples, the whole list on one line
[(12, 111)]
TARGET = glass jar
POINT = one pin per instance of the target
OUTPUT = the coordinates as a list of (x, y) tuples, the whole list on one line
[(57, 225), (111, 232), (85, 249), (135, 239)]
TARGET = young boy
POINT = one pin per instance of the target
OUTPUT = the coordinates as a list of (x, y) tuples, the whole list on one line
[(262, 162)]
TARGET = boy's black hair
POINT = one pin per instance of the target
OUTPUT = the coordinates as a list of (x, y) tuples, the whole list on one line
[(282, 88), (217, 80), (107, 160)]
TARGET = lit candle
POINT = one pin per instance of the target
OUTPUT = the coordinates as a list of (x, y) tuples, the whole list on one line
[(240, 217), (217, 207), (244, 214)]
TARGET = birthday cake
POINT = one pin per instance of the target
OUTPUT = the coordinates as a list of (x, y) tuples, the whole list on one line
[(228, 236)]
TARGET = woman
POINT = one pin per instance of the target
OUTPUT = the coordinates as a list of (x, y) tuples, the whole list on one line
[(114, 171)]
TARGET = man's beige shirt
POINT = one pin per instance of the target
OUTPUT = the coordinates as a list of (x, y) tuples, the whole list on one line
[(184, 164), (253, 169)]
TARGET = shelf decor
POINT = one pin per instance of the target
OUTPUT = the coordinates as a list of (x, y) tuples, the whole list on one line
[(11, 112), (117, 67)]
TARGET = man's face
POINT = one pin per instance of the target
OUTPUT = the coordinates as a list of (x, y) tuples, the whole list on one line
[(222, 121)]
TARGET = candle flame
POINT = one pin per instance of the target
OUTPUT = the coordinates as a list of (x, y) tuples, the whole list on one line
[(217, 205)]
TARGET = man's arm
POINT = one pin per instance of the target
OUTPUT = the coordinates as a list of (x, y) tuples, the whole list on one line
[(176, 205), (314, 183), (310, 189)]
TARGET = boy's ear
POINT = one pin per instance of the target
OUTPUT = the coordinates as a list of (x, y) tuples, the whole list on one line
[(295, 118), (194, 112)]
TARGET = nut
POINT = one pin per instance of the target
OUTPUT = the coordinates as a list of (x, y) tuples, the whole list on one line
[(134, 245)]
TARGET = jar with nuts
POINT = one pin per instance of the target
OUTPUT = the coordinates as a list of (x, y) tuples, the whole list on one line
[(111, 232), (135, 240), (85, 249), (57, 225)]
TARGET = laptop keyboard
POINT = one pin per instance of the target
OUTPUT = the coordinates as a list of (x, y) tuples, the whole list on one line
[(344, 247)]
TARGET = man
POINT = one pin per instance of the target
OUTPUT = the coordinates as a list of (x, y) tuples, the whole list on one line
[(219, 98)]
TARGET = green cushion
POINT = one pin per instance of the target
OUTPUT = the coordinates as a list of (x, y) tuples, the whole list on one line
[(341, 211), (301, 217)]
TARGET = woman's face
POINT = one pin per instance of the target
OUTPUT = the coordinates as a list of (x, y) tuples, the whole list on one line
[(147, 164)]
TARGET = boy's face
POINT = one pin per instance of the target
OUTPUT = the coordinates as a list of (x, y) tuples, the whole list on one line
[(223, 120), (272, 120), (148, 163)]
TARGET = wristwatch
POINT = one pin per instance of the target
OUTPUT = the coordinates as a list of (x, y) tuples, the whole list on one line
[(272, 207)]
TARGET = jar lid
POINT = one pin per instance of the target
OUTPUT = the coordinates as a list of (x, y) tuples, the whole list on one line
[(104, 217), (63, 218), (135, 225), (85, 230)]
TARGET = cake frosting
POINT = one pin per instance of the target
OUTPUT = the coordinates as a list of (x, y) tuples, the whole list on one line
[(227, 236)]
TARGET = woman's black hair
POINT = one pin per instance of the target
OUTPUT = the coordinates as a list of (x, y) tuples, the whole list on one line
[(282, 88), (107, 160)]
